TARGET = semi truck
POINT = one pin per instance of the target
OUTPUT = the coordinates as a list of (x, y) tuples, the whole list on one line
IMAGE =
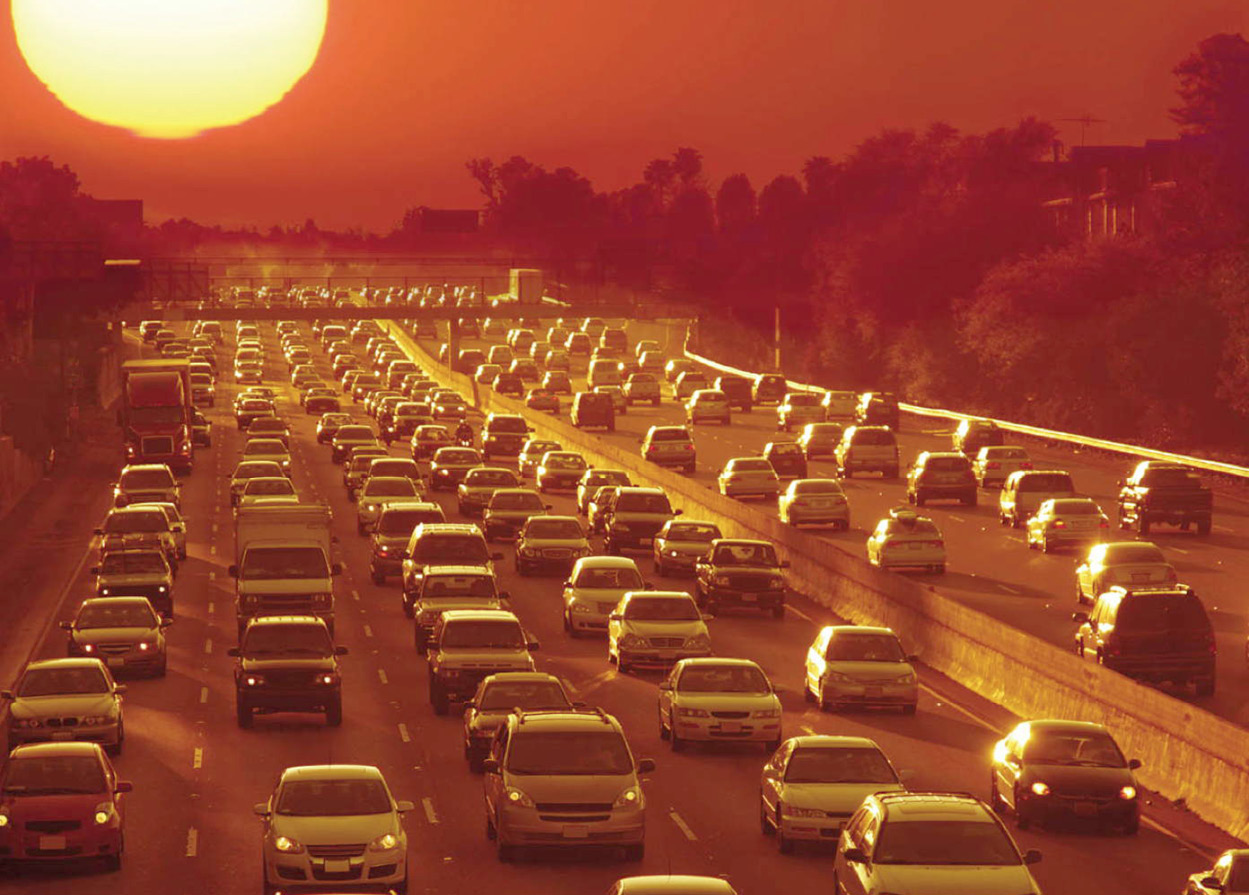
[(156, 411), (282, 561)]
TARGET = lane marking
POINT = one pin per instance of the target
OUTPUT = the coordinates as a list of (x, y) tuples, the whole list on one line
[(203, 695), (403, 733), (957, 518), (368, 632), (212, 576), (428, 804), (208, 646), (381, 675), (192, 842), (355, 595), (1009, 589), (807, 729), (682, 825), (197, 761), (213, 550), (212, 608), (214, 528), (1015, 538), (798, 612), (1181, 550), (1223, 528)]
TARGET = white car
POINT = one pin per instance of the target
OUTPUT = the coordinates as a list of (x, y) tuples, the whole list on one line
[(593, 590), (749, 477), (656, 629), (378, 491), (1127, 563), (814, 502), (267, 487), (860, 665), (177, 525), (907, 540), (1066, 522), (315, 809), (719, 700), (268, 449), (994, 464)]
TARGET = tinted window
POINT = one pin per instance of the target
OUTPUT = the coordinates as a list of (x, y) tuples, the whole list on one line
[(126, 562), (662, 609), (451, 549), (1165, 477), (54, 775), (436, 586), (692, 531), (1163, 612), (945, 841), (304, 640), (401, 522), (643, 503), (116, 615), (491, 477), (1094, 749), (839, 766), (121, 523), (563, 529), (483, 634), (569, 752), (1134, 553), (745, 555), (333, 798), (1057, 481), (513, 424), (866, 648), (516, 501), (527, 695), (722, 679), (873, 436)]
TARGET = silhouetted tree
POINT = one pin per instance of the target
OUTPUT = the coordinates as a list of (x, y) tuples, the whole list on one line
[(735, 204), (40, 201)]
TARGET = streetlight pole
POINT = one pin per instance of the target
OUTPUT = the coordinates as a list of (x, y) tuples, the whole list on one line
[(776, 340)]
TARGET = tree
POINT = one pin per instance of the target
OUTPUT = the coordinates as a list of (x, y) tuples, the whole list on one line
[(40, 201), (735, 204)]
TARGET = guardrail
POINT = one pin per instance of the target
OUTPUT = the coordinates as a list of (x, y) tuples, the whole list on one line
[(1022, 428)]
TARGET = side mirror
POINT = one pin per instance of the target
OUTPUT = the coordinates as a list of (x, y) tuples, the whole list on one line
[(233, 571), (119, 688), (95, 570), (336, 568), (646, 765), (166, 622), (340, 651), (234, 652), (402, 805), (67, 626), (179, 528), (98, 531), (906, 774), (533, 645), (490, 765), (547, 505), (1032, 856), (707, 616), (1212, 883), (646, 585), (578, 704), (1134, 764), (504, 596), (854, 856), (677, 512), (260, 809), (470, 705), (124, 786), (665, 685), (1080, 617)]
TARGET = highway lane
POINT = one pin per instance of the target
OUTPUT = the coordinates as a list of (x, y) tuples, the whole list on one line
[(990, 567), (190, 820)]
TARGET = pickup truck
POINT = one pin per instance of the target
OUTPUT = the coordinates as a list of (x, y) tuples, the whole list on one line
[(1158, 491), (741, 574)]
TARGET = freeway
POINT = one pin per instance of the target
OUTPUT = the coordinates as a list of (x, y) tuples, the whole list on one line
[(990, 568), (196, 774)]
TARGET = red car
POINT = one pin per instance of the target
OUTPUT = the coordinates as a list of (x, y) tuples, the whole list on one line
[(61, 802), (542, 399)]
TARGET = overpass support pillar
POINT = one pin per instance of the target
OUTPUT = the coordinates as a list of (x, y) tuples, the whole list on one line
[(453, 342)]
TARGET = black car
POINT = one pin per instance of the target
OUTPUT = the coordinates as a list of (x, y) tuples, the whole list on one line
[(1044, 770), (738, 390), (593, 409), (287, 664)]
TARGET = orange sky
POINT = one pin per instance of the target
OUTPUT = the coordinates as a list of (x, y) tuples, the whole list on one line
[(405, 91)]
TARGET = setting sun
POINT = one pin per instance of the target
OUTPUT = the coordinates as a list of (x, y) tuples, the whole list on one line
[(169, 68)]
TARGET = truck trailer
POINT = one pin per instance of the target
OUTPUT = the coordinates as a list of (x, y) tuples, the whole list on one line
[(156, 411)]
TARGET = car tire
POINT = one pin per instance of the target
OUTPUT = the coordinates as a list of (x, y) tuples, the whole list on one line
[(112, 863), (401, 887), (807, 694), (360, 529), (1023, 819), (910, 708), (334, 713), (674, 740), (665, 733), (243, 714), (378, 578), (970, 500), (438, 698), (996, 802), (765, 825), (1203, 527), (1142, 525), (784, 845), (163, 669), (1205, 687), (778, 612), (918, 498), (1133, 826)]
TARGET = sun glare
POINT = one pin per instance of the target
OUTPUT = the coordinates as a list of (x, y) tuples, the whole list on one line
[(169, 68)]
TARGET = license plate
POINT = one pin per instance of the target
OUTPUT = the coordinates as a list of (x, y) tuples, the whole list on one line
[(730, 726), (750, 598), (1086, 809), (116, 662), (52, 843), (337, 866), (576, 831), (819, 504), (874, 691)]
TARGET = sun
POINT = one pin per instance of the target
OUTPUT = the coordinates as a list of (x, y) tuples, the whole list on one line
[(169, 69)]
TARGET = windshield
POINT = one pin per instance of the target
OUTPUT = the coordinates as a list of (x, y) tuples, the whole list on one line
[(121, 523), (147, 478), (1096, 750), (1163, 612), (1133, 553), (722, 679), (528, 695), (333, 798), (63, 681), (569, 753), (944, 841), (500, 478), (389, 487), (564, 461), (866, 648), (304, 640), (483, 635), (687, 531), (1058, 481), (851, 765), (54, 775), (126, 562), (269, 563), (555, 529), (152, 416), (116, 615), (516, 500), (269, 486), (661, 609), (610, 579), (745, 555), (644, 503)]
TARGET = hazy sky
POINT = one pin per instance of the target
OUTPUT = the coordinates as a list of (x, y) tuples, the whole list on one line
[(405, 91)]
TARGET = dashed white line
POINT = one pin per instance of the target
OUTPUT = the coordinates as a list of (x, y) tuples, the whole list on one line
[(1223, 528), (212, 576), (1009, 589), (203, 695), (807, 729), (682, 826), (212, 550), (355, 595), (1181, 550), (212, 607), (192, 842), (403, 733), (197, 761), (381, 676), (214, 528), (208, 646), (798, 612), (368, 632), (428, 804), (957, 518)]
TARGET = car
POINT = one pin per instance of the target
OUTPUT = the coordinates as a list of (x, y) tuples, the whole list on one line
[(868, 449), (1228, 876), (719, 700), (680, 543), (509, 384), (407, 417), (136, 571), (861, 666), (906, 540), (687, 383), (201, 430), (671, 447), (797, 410), (314, 809), (1025, 490), (497, 697), (125, 632), (635, 516), (449, 466), (974, 434), (542, 399), (740, 573), (956, 843), (593, 409), (177, 525), (250, 409), (839, 405), (364, 385), (653, 362), (145, 483), (619, 404), (268, 449), (359, 465), (247, 470), (429, 439), (1121, 562), (376, 492), (508, 510), (557, 382), (877, 409), (320, 400), (994, 464), (248, 371), (1046, 769), (270, 427), (304, 375), (468, 645), (770, 388), (287, 663), (592, 479), (578, 344), (814, 502), (559, 470), (141, 526), (203, 392), (642, 386), (485, 374), (450, 406), (444, 587), (812, 784), (1066, 522), (652, 628), (531, 454), (787, 459), (52, 689), (501, 355), (329, 424), (707, 404), (350, 436), (550, 542), (941, 475), (1150, 633), (385, 465), (62, 802), (395, 524), (820, 439), (744, 477), (479, 485), (737, 391), (593, 590), (599, 508), (559, 360), (503, 435)]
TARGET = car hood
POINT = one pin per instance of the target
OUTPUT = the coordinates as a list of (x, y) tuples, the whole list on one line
[(944, 879), (114, 635), (569, 543), (837, 798), (48, 706), (582, 788), (287, 663), (870, 671), (728, 702), (334, 830), (664, 629), (79, 806)]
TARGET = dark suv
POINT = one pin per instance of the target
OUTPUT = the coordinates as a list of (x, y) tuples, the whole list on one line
[(741, 574), (738, 390), (941, 475), (503, 435), (594, 409), (287, 663), (1151, 634), (877, 409)]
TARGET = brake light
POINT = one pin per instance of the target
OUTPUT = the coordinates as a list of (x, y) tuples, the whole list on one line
[(937, 543), (1058, 523), (1105, 523), (993, 464), (689, 447), (1026, 464)]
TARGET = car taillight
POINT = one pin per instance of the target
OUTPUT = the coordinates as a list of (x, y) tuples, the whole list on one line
[(1058, 523), (1171, 576), (937, 543), (1025, 465), (993, 464), (689, 447), (1105, 523)]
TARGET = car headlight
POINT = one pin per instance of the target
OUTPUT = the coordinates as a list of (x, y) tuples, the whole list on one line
[(527, 551), (629, 640), (1127, 793), (25, 723), (104, 591), (795, 811), (146, 645), (4, 819), (628, 797), (518, 797), (693, 713), (88, 647), (370, 507), (254, 680), (326, 680), (581, 607), (673, 553), (1040, 789), (286, 845), (766, 713), (103, 813), (699, 641), (908, 678), (385, 842), (776, 584), (93, 720), (160, 589)]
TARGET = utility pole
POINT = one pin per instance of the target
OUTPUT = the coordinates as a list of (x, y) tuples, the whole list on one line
[(1084, 122), (776, 340)]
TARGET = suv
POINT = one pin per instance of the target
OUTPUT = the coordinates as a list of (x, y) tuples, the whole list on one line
[(1025, 490), (868, 449), (770, 388), (972, 435), (287, 663), (594, 409), (798, 409), (939, 475), (1164, 492), (468, 645), (877, 409), (395, 524), (146, 483), (737, 390), (438, 544), (564, 778), (740, 573), (503, 435), (929, 843), (444, 588), (637, 515), (670, 446), (1151, 634)]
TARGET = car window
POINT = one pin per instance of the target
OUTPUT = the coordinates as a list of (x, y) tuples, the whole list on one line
[(569, 753), (53, 775), (614, 579), (275, 563), (866, 648), (268, 486), (1169, 477), (745, 555), (851, 765), (722, 679), (872, 437), (451, 549), (1056, 481), (147, 478), (1133, 553), (1077, 750), (692, 531), (525, 500), (669, 435), (491, 477), (818, 487), (402, 522), (389, 487), (946, 841), (751, 465), (564, 461), (116, 615), (304, 640), (62, 681), (133, 562), (1162, 612), (436, 586), (559, 529), (528, 695), (483, 635), (643, 503), (332, 798), (946, 464), (662, 609)]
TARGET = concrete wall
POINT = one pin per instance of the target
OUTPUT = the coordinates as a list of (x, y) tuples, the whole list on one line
[(18, 474), (1187, 753)]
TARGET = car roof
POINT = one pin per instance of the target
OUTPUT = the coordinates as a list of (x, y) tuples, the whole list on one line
[(829, 741), (904, 806), (606, 562), (48, 750), (553, 518), (517, 677), (455, 528), (657, 594), (265, 621), (951, 455), (565, 718), (64, 663), (1063, 725), (718, 660), (635, 489), (859, 629), (332, 772), (432, 570), (489, 615), (737, 542), (115, 601), (145, 467)]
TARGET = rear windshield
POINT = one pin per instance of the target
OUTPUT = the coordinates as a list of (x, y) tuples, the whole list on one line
[(803, 400), (670, 435), (1134, 553), (865, 648), (37, 775), (333, 798), (1163, 612), (607, 477), (1074, 748), (499, 477), (116, 615), (759, 465), (457, 456), (402, 522), (555, 529), (1170, 478), (520, 500), (1076, 508), (564, 461), (527, 695), (389, 487), (947, 464), (1048, 481), (269, 563), (400, 468), (824, 486), (855, 765), (264, 446), (451, 549), (873, 436), (458, 586), (147, 478), (512, 424), (723, 679), (278, 485), (56, 681), (355, 433), (644, 503), (569, 752), (137, 563)]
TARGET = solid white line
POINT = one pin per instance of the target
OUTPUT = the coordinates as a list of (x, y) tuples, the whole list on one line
[(211, 608), (368, 632), (807, 729), (381, 675), (798, 612), (192, 842), (1009, 589), (684, 827), (403, 733), (197, 761), (428, 804), (208, 645), (203, 695)]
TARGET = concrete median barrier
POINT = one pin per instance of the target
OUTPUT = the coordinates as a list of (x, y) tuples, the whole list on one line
[(1187, 753)]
